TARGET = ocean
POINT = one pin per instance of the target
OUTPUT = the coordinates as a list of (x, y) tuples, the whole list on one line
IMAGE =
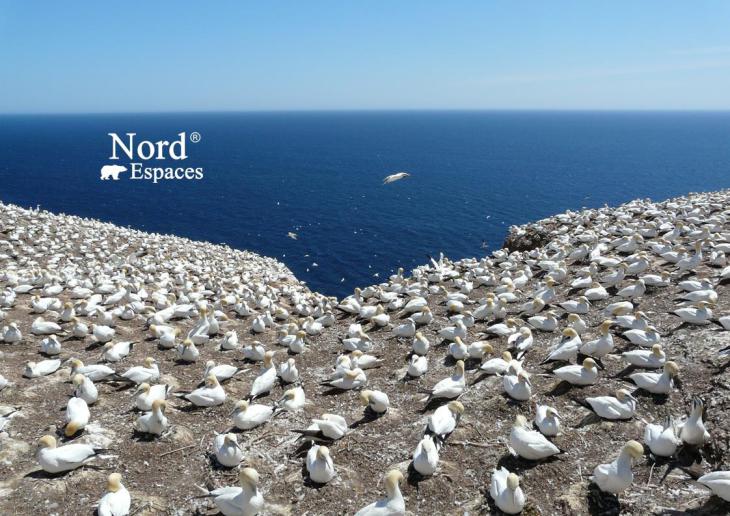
[(319, 175)]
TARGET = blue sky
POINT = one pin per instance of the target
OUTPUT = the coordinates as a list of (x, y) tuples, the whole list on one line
[(85, 56)]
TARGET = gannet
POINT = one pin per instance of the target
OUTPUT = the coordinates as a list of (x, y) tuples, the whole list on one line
[(499, 365), (229, 341), (77, 416), (288, 372), (693, 431), (41, 327), (352, 379), (506, 492), (51, 346), (319, 464), (662, 440), (149, 372), (646, 359), (520, 341), (210, 395), (376, 401), (146, 394), (547, 420), (579, 306), (698, 314), (94, 372), (364, 361), (153, 422), (187, 351), (417, 366), (623, 406), (617, 476), (657, 383), (578, 324), (393, 503), (292, 400), (266, 379), (420, 344), (451, 332), (718, 482), (42, 368), (585, 374), (423, 317), (227, 451), (117, 501), (11, 334), (85, 389), (451, 387), (247, 416), (245, 500), (566, 349), (114, 352), (547, 322), (328, 426), (426, 456), (602, 346), (529, 444), (222, 372), (457, 349), (646, 338), (596, 292), (255, 352), (55, 459), (444, 419), (102, 333), (516, 383), (504, 329), (477, 350)]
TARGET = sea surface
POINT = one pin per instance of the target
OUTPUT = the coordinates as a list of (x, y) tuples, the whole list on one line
[(319, 175)]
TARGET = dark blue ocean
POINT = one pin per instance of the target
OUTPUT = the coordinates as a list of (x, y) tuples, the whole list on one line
[(319, 175)]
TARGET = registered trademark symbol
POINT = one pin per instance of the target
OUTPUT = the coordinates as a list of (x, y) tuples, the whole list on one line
[(195, 137)]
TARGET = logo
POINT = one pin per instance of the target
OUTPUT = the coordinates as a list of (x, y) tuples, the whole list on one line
[(139, 154)]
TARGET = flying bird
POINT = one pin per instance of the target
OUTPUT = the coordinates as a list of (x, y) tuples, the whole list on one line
[(395, 177)]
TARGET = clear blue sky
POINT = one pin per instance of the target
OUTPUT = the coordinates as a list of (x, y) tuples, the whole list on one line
[(104, 56)]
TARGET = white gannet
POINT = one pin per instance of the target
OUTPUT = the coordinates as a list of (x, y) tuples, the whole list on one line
[(376, 401), (187, 351), (718, 482), (85, 389), (654, 359), (148, 372), (547, 420), (623, 406), (579, 306), (11, 334), (95, 372), (77, 416), (420, 344), (646, 338), (117, 501), (617, 476), (662, 440), (329, 426), (698, 314), (529, 444), (319, 464), (521, 341), (153, 422), (506, 492), (102, 333), (585, 374), (146, 394), (255, 352), (444, 419), (499, 365), (393, 503), (352, 379), (247, 416), (547, 322), (451, 387), (417, 366), (210, 395), (245, 500), (227, 451), (292, 400), (457, 349), (114, 352), (426, 456), (451, 332), (56, 459), (405, 329), (266, 379), (578, 324), (516, 383), (51, 346), (566, 349), (288, 372), (364, 361), (41, 327), (657, 383), (693, 431), (222, 372), (42, 368), (602, 346)]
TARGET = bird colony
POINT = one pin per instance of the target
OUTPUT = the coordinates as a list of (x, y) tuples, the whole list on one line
[(149, 374)]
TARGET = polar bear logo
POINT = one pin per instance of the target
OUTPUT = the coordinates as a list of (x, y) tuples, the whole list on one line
[(112, 171)]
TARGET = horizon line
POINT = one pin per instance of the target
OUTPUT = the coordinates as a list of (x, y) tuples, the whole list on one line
[(368, 110)]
